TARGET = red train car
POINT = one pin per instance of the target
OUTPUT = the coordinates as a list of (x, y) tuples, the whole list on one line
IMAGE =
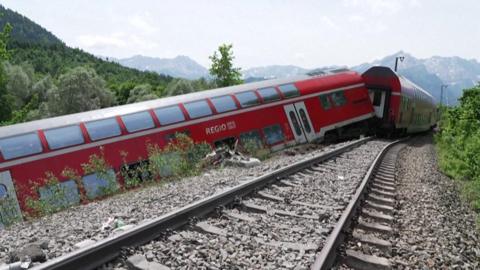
[(276, 112), (401, 106)]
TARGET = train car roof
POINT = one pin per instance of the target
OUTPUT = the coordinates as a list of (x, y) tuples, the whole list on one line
[(387, 73), (405, 81)]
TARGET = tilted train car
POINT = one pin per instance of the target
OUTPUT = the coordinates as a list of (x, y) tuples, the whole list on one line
[(401, 106), (275, 112)]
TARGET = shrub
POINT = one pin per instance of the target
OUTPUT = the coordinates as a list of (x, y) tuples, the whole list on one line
[(54, 199), (181, 157), (255, 149), (458, 144), (98, 165), (134, 174)]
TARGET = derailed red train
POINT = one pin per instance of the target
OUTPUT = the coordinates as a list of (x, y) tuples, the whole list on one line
[(276, 113)]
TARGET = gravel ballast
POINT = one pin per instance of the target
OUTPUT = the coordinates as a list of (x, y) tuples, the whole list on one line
[(58, 233), (283, 235), (436, 230)]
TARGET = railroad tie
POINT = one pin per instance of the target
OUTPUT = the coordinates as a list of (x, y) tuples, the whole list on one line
[(362, 261), (208, 228)]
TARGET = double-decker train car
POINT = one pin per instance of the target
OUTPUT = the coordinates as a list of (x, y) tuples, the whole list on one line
[(401, 107), (275, 113)]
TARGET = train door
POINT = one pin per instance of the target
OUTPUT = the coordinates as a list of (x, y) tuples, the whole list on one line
[(300, 123), (378, 101), (9, 207)]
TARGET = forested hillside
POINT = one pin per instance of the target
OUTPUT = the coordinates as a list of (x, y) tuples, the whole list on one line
[(42, 77), (26, 31)]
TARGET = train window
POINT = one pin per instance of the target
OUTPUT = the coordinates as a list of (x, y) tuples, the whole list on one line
[(296, 126), (64, 136), (21, 145), (102, 129), (273, 134), (269, 94), (325, 102), (138, 121), (3, 191), (60, 195), (198, 109), (224, 104), (306, 124), (251, 137), (247, 99), (96, 184), (169, 115), (339, 98), (289, 90)]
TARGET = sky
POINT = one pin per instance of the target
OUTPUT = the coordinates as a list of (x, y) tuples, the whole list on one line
[(307, 33)]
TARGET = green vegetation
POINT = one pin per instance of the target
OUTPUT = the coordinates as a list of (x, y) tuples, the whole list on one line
[(49, 204), (255, 149), (181, 157), (25, 30), (98, 165), (459, 144), (5, 98), (222, 67)]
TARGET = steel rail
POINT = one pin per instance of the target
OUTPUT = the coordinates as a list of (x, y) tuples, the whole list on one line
[(327, 256), (108, 249)]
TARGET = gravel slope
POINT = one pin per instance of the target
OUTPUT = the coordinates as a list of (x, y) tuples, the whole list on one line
[(436, 230), (58, 233)]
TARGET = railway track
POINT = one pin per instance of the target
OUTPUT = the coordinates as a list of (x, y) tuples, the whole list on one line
[(279, 220), (361, 238)]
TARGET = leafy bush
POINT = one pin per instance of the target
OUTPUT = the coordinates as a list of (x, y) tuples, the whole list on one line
[(255, 149), (181, 157), (54, 202), (99, 166), (458, 144)]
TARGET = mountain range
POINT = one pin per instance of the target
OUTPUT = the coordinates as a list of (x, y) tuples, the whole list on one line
[(429, 73), (180, 66)]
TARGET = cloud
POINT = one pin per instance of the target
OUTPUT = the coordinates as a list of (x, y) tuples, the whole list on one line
[(142, 23), (329, 22), (379, 7), (101, 42), (117, 41), (356, 19)]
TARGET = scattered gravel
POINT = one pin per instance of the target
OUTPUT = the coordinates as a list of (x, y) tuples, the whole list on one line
[(436, 230), (57, 234), (265, 240)]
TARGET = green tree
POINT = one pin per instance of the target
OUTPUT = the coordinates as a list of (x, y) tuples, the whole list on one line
[(42, 87), (18, 85), (222, 67), (5, 98), (203, 84), (141, 92), (179, 87), (80, 89)]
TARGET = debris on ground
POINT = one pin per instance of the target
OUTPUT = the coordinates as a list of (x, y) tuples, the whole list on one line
[(230, 157)]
